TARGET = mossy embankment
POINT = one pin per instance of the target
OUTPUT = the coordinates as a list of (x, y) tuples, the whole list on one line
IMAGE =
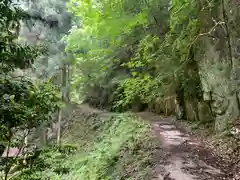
[(110, 146)]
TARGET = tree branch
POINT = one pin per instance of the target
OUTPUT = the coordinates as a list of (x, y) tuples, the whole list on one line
[(9, 165)]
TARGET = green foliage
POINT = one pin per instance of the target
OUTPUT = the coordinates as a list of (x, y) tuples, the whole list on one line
[(49, 164), (105, 30), (12, 53), (183, 35), (107, 19), (24, 104), (135, 90), (166, 60), (136, 62), (102, 26), (143, 85), (184, 27), (122, 148), (144, 56)]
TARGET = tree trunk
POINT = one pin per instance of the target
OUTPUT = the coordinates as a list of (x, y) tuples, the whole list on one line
[(68, 83), (64, 83), (63, 89), (25, 146), (59, 127)]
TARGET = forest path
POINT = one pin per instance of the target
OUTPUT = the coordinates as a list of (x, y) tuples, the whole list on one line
[(186, 157)]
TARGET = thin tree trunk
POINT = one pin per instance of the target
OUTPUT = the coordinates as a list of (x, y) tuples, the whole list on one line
[(25, 146), (63, 89), (68, 83), (7, 165), (64, 83), (59, 127)]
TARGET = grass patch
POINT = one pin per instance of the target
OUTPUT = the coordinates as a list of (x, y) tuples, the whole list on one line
[(123, 148), (106, 147)]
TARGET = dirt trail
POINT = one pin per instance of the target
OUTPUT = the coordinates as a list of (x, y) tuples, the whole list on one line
[(186, 158)]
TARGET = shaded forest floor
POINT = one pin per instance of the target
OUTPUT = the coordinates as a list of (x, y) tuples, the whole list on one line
[(188, 157), (180, 154)]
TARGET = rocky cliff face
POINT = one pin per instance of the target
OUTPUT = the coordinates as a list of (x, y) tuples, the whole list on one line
[(219, 62)]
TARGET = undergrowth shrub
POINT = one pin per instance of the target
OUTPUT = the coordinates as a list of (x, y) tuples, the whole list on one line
[(107, 147), (122, 149), (49, 164)]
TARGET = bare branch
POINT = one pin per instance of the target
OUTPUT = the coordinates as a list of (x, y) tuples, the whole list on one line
[(209, 32), (7, 170)]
